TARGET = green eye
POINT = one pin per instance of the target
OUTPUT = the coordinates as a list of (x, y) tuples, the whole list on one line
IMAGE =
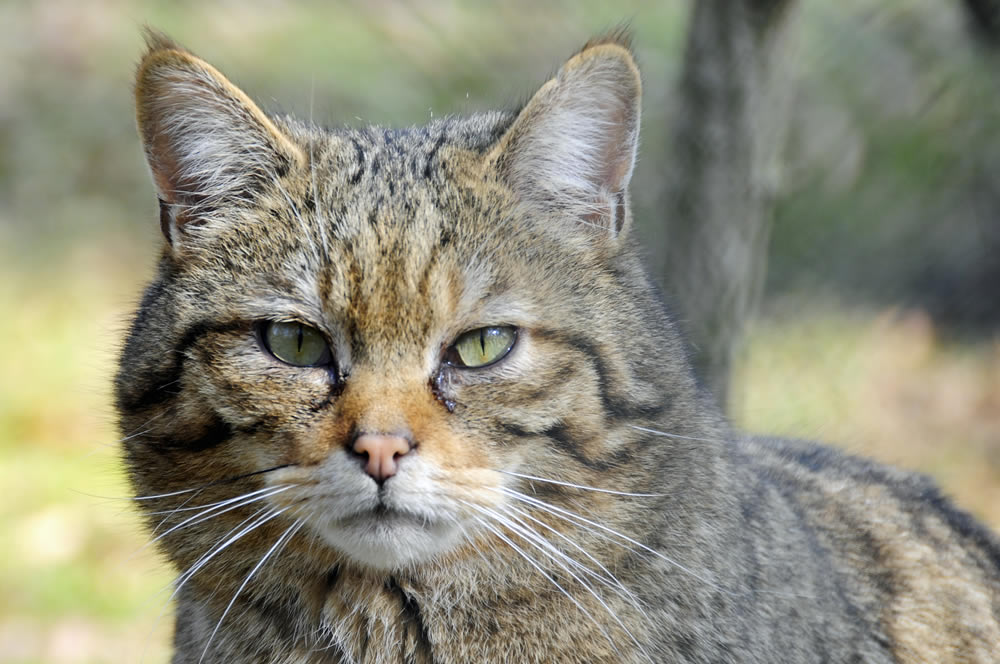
[(296, 344), (483, 346)]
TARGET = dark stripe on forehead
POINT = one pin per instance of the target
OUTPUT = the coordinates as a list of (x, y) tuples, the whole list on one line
[(444, 239), (425, 276)]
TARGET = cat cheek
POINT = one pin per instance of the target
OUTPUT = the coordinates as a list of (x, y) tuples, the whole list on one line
[(455, 453), (328, 433)]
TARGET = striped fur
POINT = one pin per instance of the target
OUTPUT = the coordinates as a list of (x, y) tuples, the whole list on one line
[(578, 501)]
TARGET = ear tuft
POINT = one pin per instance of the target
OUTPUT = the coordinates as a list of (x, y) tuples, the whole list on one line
[(619, 36), (206, 142), (573, 146), (158, 41)]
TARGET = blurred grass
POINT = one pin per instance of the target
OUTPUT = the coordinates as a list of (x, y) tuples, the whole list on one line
[(74, 580), (78, 234), (883, 385)]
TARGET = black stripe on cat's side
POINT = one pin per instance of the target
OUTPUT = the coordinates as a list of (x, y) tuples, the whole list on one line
[(158, 393), (922, 493), (821, 551), (962, 523), (822, 464)]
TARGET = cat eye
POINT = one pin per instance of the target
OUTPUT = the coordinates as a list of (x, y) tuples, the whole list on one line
[(296, 344), (481, 347)]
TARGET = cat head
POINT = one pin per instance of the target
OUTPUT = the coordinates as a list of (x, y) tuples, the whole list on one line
[(396, 343)]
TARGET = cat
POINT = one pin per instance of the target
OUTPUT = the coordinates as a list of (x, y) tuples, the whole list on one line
[(410, 396)]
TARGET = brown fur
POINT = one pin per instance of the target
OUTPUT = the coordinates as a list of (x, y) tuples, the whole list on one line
[(681, 540)]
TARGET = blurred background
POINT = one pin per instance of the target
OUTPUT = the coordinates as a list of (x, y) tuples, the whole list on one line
[(876, 325)]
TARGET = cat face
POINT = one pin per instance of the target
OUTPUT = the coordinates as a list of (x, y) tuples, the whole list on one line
[(395, 286), (384, 339)]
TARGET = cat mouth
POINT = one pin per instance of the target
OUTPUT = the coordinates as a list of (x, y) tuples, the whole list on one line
[(383, 515), (387, 538), (385, 510)]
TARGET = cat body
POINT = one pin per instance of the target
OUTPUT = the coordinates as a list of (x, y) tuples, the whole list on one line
[(409, 396)]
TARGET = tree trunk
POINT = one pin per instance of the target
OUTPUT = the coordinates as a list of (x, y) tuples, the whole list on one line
[(733, 108), (984, 18)]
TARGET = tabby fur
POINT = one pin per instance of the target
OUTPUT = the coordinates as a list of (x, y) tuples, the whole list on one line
[(580, 500)]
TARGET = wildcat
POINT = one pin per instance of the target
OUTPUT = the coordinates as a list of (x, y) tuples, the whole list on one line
[(409, 396)]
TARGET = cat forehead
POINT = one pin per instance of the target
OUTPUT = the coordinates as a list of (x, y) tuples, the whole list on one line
[(376, 213), (379, 219), (386, 179), (412, 153)]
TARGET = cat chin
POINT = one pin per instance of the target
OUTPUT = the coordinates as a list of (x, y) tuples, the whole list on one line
[(391, 542), (407, 522)]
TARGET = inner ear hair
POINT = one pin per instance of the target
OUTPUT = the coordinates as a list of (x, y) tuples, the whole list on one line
[(206, 141), (573, 146)]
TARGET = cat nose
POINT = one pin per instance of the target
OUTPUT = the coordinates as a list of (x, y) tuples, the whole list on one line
[(381, 450)]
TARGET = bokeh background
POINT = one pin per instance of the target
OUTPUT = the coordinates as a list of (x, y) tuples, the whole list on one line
[(878, 330)]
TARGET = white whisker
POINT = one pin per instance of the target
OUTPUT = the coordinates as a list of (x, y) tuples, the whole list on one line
[(581, 486), (179, 582), (561, 559), (572, 517), (219, 548), (141, 429), (541, 571), (675, 435), (226, 480), (166, 495), (214, 511), (285, 536), (217, 503), (607, 578)]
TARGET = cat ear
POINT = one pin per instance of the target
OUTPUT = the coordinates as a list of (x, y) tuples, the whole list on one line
[(206, 142), (573, 146)]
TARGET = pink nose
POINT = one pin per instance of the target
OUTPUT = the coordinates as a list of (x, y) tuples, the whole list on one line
[(381, 450)]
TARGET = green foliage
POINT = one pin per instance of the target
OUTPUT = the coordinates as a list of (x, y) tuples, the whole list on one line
[(892, 194)]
